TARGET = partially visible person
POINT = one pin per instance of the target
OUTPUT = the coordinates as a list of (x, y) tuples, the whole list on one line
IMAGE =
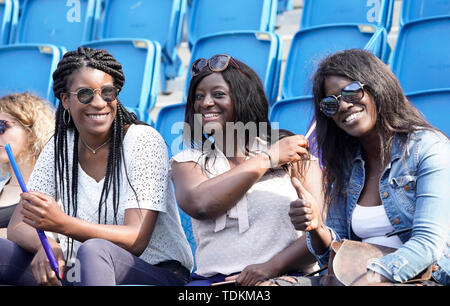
[(26, 123), (236, 184), (387, 172)]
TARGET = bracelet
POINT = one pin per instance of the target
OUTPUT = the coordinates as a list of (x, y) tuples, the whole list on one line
[(268, 155)]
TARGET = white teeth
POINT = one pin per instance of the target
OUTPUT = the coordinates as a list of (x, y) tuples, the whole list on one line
[(98, 116), (210, 115), (352, 117)]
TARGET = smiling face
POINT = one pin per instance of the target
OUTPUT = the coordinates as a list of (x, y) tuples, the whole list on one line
[(213, 102), (358, 119), (96, 117)]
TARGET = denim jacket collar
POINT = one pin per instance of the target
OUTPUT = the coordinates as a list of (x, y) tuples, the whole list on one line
[(396, 151)]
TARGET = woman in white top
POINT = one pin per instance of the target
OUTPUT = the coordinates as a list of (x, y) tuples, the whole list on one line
[(235, 183), (117, 222)]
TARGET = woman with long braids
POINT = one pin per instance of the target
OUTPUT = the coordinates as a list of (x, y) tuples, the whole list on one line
[(101, 188)]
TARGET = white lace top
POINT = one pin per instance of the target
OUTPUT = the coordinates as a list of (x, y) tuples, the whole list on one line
[(146, 160), (257, 228)]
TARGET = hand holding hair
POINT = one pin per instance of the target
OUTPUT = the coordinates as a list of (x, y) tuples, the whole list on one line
[(288, 150)]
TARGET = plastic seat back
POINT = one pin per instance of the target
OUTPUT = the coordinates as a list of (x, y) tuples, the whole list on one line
[(158, 20), (62, 23), (419, 9), (7, 10), (213, 16), (28, 67), (293, 114), (322, 12), (434, 105), (169, 124), (140, 61), (262, 51), (310, 46), (421, 58)]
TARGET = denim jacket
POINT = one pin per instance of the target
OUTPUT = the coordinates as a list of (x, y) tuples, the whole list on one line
[(415, 192)]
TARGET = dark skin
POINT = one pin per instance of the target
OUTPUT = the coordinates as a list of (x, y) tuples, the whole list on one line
[(93, 121), (358, 120)]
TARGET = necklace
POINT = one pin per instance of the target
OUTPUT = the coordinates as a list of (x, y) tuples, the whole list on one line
[(94, 151)]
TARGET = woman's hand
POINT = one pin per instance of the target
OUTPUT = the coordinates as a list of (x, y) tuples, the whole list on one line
[(254, 274), (41, 211), (288, 150), (305, 213), (41, 268)]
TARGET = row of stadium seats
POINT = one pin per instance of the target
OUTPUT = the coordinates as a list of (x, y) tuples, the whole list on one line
[(97, 19), (262, 50), (70, 23)]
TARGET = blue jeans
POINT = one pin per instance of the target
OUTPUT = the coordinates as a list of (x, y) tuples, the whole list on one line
[(101, 263)]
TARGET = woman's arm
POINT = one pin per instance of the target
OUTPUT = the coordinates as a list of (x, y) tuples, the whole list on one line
[(206, 198), (45, 214)]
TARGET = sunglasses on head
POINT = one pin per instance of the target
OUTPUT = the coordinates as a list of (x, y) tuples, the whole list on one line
[(217, 63), (3, 126), (85, 95), (352, 93)]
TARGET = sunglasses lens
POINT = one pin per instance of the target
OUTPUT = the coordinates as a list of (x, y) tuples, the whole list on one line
[(109, 94), (329, 105), (2, 126), (198, 65), (219, 62), (85, 95), (352, 93)]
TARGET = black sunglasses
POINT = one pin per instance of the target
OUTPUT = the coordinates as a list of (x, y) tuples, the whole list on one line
[(352, 93), (85, 95), (3, 126), (217, 63)]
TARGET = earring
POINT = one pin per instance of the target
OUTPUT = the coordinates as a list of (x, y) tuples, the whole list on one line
[(66, 113)]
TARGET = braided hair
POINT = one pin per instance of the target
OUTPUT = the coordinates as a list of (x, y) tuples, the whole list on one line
[(66, 188)]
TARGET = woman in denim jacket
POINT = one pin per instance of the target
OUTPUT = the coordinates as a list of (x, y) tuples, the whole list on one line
[(387, 172)]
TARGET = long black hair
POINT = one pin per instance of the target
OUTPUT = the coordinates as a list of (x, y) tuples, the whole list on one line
[(66, 186), (396, 115)]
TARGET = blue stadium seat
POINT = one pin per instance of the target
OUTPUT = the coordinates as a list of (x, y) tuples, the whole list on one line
[(6, 12), (140, 60), (309, 46), (262, 51), (434, 105), (419, 9), (186, 223), (213, 16), (293, 114), (322, 12), (421, 59), (28, 67), (63, 23), (170, 124), (284, 5), (159, 20)]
